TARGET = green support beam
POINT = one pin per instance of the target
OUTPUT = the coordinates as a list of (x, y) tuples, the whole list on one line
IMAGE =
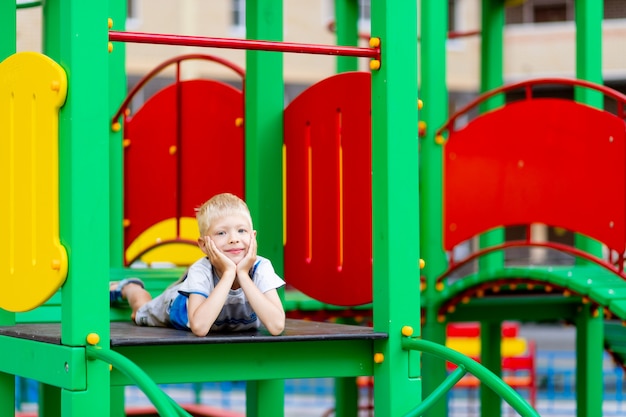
[(491, 76), (76, 36), (395, 204), (347, 32), (264, 138), (589, 358), (434, 95)]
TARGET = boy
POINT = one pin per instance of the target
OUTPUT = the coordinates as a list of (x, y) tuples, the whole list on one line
[(230, 289)]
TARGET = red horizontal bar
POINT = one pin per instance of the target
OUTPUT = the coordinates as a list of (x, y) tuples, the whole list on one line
[(300, 48)]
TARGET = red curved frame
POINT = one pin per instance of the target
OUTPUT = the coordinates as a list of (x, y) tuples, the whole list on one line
[(176, 60), (528, 85)]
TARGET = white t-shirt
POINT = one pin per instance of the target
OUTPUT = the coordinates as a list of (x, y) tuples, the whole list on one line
[(237, 314)]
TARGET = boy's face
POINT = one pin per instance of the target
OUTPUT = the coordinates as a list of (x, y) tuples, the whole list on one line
[(231, 235)]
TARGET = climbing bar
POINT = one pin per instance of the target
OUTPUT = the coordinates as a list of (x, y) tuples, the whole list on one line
[(258, 45), (161, 401), (468, 364)]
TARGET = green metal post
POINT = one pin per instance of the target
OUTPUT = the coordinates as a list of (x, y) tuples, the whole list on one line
[(589, 67), (346, 27), (434, 95), (491, 358), (8, 28), (49, 400), (590, 330), (395, 205), (491, 76), (346, 397), (264, 139), (117, 93), (589, 355), (76, 36)]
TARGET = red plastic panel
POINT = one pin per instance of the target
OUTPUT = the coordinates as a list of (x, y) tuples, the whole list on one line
[(548, 161), (168, 178), (328, 251)]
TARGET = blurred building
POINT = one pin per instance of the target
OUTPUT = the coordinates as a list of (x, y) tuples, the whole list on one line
[(539, 39)]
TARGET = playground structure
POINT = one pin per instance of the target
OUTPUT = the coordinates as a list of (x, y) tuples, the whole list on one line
[(71, 353)]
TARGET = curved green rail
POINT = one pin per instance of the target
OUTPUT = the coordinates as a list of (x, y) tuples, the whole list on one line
[(165, 406), (465, 364)]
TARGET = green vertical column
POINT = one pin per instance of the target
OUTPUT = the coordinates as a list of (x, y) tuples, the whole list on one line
[(434, 95), (76, 36), (117, 93), (264, 141), (589, 67), (8, 41), (589, 355), (395, 205), (491, 76), (590, 330), (491, 357), (8, 28), (347, 31)]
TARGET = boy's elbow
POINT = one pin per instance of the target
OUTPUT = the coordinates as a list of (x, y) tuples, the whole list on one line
[(277, 327), (199, 331)]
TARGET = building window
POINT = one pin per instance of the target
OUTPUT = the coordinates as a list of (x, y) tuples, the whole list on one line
[(365, 15), (132, 14), (540, 11), (614, 9), (238, 17)]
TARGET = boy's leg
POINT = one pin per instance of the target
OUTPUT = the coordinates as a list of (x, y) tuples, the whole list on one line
[(136, 295)]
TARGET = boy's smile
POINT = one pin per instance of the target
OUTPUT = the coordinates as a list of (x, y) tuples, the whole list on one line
[(231, 235)]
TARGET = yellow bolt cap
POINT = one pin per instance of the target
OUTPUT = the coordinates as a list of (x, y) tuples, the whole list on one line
[(379, 357), (407, 331), (374, 64), (93, 338), (374, 42)]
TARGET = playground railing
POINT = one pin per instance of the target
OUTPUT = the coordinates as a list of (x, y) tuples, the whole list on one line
[(464, 364)]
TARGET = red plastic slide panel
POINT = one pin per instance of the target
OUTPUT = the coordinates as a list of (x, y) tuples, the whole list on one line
[(550, 161), (171, 168), (328, 249)]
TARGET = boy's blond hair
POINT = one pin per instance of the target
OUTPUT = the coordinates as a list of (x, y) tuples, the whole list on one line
[(219, 206)]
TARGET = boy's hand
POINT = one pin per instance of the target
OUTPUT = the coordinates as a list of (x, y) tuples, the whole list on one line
[(248, 261), (219, 261)]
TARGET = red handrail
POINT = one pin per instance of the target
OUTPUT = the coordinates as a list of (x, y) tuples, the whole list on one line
[(528, 85), (176, 60), (248, 44), (619, 270)]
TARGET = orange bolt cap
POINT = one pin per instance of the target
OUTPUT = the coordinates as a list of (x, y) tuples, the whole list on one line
[(110, 47), (407, 331), (374, 64), (379, 357), (110, 22), (116, 127), (422, 263), (374, 42), (420, 104), (239, 121), (93, 338)]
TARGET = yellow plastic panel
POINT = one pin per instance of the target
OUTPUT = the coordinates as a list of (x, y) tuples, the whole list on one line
[(33, 263), (180, 254), (470, 346)]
